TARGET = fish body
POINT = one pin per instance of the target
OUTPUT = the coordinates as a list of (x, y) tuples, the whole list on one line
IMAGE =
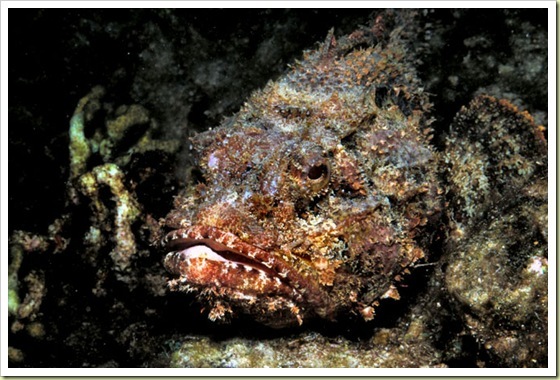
[(318, 195)]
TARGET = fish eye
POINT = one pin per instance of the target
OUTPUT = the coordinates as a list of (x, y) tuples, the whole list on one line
[(315, 176), (318, 171), (309, 170)]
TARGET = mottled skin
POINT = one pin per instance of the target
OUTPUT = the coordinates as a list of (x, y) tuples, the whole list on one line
[(317, 195)]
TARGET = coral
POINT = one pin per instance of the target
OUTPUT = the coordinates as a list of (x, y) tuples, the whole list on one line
[(80, 149), (129, 121), (116, 223), (126, 212), (22, 243), (16, 257), (108, 145)]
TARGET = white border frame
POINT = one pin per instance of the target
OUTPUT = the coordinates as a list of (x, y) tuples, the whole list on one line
[(550, 371)]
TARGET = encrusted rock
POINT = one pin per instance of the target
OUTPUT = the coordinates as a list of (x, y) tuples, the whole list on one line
[(498, 243)]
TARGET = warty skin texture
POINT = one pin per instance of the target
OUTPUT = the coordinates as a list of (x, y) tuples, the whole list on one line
[(317, 195)]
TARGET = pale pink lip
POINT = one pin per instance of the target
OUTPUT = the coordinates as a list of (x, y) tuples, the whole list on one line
[(218, 246), (212, 250), (199, 257)]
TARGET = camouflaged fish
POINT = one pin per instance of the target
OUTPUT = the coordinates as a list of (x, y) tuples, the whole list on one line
[(318, 195)]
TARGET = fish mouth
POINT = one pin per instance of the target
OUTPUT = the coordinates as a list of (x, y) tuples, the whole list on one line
[(218, 265), (212, 250), (203, 258), (210, 243)]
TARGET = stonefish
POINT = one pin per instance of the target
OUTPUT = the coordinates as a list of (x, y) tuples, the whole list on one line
[(315, 198)]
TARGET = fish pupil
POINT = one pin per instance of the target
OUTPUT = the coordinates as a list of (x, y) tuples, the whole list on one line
[(317, 171)]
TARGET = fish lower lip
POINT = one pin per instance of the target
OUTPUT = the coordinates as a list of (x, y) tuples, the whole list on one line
[(267, 272), (199, 260), (213, 250)]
